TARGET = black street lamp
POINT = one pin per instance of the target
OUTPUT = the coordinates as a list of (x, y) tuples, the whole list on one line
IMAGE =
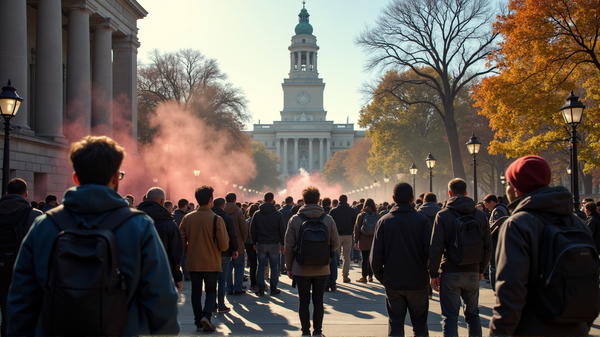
[(430, 161), (569, 173), (413, 170), (473, 146), (572, 112), (10, 102)]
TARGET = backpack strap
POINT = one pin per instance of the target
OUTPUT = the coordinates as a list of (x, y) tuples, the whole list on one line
[(63, 219), (303, 217)]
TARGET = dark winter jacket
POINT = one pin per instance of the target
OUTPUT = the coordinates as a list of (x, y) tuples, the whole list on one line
[(345, 217), (593, 222), (517, 259), (441, 238), (295, 209), (430, 209), (364, 241), (400, 250), (47, 208), (267, 225), (178, 216), (151, 294), (358, 208), (14, 203), (230, 226), (239, 221), (169, 234), (287, 213)]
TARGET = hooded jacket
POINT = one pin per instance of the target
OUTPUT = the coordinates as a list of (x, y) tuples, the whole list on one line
[(14, 203), (267, 225), (517, 257), (151, 294), (239, 221), (311, 211), (430, 209), (442, 238), (364, 241), (168, 233), (345, 217), (233, 239), (178, 216)]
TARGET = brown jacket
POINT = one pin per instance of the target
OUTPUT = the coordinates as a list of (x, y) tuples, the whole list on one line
[(311, 211), (239, 222), (196, 228), (364, 241)]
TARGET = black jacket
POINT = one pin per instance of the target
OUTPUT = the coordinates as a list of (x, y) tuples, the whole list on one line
[(169, 234), (430, 209), (400, 250), (287, 213), (442, 236), (593, 222), (230, 226), (267, 225), (345, 217), (178, 216), (517, 258)]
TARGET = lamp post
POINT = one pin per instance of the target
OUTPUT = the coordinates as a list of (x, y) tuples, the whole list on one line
[(473, 146), (413, 170), (430, 161), (569, 171), (197, 173), (572, 112), (10, 102)]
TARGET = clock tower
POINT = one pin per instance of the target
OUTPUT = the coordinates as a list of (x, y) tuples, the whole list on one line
[(303, 90)]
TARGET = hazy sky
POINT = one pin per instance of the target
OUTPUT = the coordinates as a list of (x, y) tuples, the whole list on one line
[(250, 40)]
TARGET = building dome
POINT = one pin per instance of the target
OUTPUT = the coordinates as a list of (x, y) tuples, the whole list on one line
[(303, 27)]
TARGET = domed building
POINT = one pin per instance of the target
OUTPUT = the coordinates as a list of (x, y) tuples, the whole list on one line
[(304, 138)]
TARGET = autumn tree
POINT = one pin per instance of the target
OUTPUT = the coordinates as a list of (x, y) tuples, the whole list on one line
[(266, 167), (356, 163), (334, 171), (451, 37)]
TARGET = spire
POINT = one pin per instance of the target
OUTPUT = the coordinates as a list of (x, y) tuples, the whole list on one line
[(303, 26), (303, 4)]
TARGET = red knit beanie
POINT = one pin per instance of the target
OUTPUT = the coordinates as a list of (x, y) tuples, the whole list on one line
[(529, 173)]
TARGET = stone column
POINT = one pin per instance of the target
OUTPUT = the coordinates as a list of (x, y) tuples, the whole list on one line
[(277, 141), (125, 90), (315, 60), (321, 154), (328, 151), (13, 54), (295, 155), (79, 85), (49, 72), (310, 154), (102, 86), (291, 61), (285, 156)]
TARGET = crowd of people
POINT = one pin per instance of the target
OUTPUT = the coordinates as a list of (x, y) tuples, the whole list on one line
[(412, 246)]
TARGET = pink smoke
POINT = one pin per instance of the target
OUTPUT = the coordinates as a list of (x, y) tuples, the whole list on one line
[(297, 183)]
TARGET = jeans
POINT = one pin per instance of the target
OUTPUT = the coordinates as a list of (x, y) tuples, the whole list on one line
[(253, 262), (210, 286), (221, 279), (453, 287), (396, 304), (270, 251), (304, 284), (186, 273), (236, 267), (366, 265), (355, 252), (333, 272), (346, 247), (281, 261)]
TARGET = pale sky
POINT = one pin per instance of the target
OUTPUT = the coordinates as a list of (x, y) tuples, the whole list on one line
[(249, 39)]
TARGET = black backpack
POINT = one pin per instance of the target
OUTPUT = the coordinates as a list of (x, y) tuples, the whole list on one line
[(567, 284), (12, 232), (369, 224), (312, 246), (85, 294), (466, 245)]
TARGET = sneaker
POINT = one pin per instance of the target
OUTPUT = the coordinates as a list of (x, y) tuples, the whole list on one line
[(260, 293), (239, 292), (200, 329), (230, 292), (215, 308), (333, 288), (206, 324), (224, 309), (244, 287), (370, 278), (326, 289), (430, 296), (245, 278), (362, 280), (275, 291), (254, 287), (346, 279)]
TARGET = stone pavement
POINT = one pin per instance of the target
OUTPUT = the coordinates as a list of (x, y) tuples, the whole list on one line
[(355, 309)]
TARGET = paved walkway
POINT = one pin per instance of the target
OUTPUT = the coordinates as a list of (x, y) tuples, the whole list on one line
[(355, 309)]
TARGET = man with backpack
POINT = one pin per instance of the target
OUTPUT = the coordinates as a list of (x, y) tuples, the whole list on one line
[(16, 216), (497, 210), (58, 276), (547, 267), (310, 240), (461, 247)]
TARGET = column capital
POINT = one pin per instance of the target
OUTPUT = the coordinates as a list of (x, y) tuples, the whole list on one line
[(126, 43), (296, 139), (106, 23), (82, 5)]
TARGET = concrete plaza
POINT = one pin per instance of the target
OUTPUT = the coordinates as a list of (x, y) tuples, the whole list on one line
[(355, 309)]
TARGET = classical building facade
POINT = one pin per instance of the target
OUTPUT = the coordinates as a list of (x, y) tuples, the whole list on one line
[(75, 64), (304, 138)]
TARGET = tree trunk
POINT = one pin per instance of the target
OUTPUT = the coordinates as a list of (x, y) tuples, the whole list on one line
[(457, 167)]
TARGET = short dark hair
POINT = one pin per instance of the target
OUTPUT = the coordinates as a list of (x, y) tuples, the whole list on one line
[(182, 202), (289, 200), (230, 197), (490, 198), (430, 197), (218, 202), (326, 202), (335, 202), (16, 186), (403, 193), (34, 204), (311, 195), (168, 203), (204, 194), (343, 198), (362, 200), (421, 196), (269, 196), (591, 206), (96, 159), (50, 198), (458, 187)]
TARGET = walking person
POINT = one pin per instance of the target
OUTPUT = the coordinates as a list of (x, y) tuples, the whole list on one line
[(399, 258), (310, 278), (497, 211), (250, 250), (235, 277), (364, 229), (345, 218), (226, 256)]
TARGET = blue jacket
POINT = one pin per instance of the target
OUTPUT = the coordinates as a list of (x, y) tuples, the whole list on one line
[(151, 293)]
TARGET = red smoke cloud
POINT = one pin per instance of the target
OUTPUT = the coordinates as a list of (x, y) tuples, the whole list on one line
[(297, 183)]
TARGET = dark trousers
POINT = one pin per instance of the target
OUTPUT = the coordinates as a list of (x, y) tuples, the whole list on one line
[(252, 261), (4, 285), (333, 271), (398, 301), (366, 265), (304, 284), (210, 286)]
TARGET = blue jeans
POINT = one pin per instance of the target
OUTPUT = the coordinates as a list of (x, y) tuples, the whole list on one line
[(222, 278), (264, 251), (281, 261), (453, 287), (210, 286), (236, 266), (333, 271), (186, 273)]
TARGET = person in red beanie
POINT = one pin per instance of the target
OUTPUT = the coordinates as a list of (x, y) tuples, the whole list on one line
[(517, 255)]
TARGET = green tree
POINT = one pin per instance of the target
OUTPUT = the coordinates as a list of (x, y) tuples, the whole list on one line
[(266, 167)]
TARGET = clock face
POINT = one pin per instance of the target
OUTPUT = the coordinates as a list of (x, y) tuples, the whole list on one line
[(303, 98)]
